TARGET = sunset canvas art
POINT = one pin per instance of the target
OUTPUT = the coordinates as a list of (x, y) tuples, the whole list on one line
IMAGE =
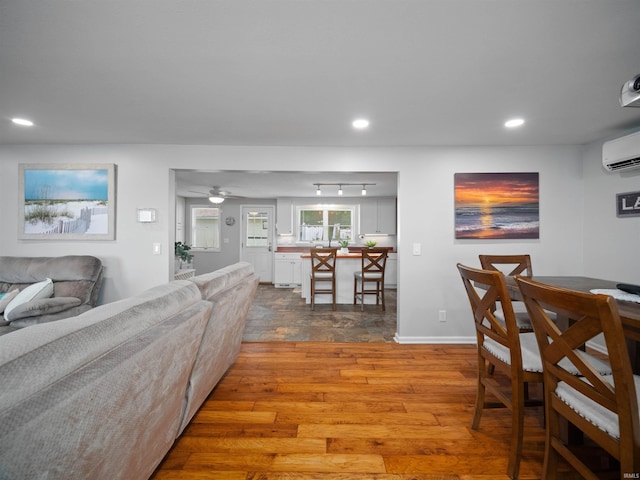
[(497, 205)]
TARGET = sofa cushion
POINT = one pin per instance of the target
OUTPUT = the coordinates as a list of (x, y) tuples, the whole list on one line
[(210, 284), (65, 344), (41, 306), (73, 275), (7, 297), (42, 289), (105, 393)]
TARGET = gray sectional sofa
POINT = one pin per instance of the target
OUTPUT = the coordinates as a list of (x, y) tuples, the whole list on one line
[(105, 394), (77, 280)]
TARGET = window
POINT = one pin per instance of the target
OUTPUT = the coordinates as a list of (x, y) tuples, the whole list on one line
[(325, 223), (257, 229), (205, 227)]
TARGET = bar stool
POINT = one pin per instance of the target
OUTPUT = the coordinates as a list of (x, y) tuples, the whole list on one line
[(323, 269), (374, 261)]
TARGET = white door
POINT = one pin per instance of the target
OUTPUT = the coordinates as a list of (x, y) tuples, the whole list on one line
[(258, 239)]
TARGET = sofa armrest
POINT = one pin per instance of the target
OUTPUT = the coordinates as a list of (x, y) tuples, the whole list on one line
[(42, 306)]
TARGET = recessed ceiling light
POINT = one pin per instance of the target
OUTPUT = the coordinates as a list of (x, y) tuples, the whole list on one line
[(514, 122), (360, 123), (22, 121)]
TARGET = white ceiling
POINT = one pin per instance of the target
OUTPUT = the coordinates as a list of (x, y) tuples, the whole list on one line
[(297, 72), (290, 184)]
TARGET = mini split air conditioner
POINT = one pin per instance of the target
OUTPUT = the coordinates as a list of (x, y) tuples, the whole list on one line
[(622, 153)]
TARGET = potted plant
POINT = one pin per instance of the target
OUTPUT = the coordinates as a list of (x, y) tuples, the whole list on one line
[(370, 243), (345, 245), (183, 257)]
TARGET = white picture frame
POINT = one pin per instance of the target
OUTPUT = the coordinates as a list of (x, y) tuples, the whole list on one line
[(67, 202)]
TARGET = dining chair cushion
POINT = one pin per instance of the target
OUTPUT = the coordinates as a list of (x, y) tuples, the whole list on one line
[(531, 360), (523, 322), (601, 417)]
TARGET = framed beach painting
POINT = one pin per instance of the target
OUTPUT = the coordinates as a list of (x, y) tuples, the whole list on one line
[(66, 202), (497, 205)]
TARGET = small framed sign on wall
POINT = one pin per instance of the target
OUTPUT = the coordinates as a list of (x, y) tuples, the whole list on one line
[(628, 204)]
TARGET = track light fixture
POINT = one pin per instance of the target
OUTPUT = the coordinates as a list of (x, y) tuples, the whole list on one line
[(340, 185)]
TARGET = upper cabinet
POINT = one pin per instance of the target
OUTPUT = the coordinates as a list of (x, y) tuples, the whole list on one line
[(284, 216), (378, 216)]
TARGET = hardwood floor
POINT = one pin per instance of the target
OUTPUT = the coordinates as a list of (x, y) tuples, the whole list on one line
[(309, 410)]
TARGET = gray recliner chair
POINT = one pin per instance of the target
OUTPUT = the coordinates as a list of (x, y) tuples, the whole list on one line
[(77, 280)]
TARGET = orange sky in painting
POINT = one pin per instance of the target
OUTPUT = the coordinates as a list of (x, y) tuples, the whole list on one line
[(475, 189)]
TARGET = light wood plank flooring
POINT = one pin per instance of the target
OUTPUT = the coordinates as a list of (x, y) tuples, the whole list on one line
[(308, 410)]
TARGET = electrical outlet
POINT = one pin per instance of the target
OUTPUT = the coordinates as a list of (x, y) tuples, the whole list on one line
[(442, 315)]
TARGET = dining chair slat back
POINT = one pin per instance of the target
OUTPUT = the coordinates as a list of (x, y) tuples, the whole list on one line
[(604, 407), (511, 265), (518, 264)]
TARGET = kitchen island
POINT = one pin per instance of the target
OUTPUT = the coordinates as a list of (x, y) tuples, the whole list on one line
[(346, 265)]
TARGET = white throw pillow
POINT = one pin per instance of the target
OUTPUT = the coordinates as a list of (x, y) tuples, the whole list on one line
[(42, 289), (6, 299)]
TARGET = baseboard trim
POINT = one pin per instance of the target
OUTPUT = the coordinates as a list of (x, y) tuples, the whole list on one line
[(464, 340), (434, 340)]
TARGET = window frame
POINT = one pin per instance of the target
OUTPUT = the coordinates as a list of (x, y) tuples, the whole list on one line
[(192, 230), (325, 226)]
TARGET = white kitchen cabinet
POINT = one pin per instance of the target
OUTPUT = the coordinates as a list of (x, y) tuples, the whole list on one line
[(391, 271), (378, 216), (284, 216), (288, 270)]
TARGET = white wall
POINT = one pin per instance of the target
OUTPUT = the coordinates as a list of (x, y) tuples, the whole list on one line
[(426, 283), (229, 253), (610, 243)]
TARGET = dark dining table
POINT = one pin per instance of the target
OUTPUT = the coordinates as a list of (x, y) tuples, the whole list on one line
[(629, 311)]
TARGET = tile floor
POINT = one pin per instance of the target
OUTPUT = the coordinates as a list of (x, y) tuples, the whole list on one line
[(280, 314)]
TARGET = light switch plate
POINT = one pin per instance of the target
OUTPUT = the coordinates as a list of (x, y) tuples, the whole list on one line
[(417, 249)]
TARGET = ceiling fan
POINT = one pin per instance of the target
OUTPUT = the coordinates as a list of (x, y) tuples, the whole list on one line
[(216, 195)]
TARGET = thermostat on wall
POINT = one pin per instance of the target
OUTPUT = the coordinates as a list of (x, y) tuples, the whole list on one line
[(146, 215)]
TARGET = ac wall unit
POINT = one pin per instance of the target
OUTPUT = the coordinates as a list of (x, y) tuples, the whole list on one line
[(622, 153)]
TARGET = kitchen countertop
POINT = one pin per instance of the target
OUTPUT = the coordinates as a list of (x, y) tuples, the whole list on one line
[(296, 249)]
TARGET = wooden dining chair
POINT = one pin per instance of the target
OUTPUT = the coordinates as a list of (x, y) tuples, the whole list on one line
[(604, 407), (514, 264), (501, 348), (323, 270), (511, 265), (373, 265)]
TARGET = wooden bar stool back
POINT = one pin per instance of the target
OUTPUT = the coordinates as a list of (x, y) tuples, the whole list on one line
[(373, 265), (323, 270), (603, 406)]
